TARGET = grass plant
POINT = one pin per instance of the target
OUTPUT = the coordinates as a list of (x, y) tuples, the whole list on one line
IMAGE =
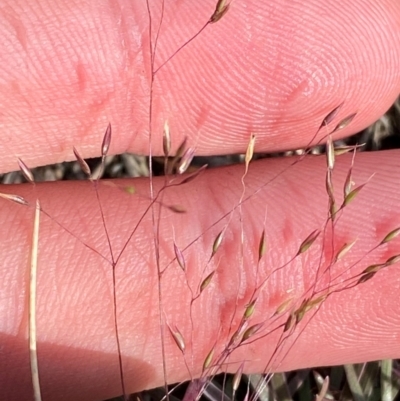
[(247, 324)]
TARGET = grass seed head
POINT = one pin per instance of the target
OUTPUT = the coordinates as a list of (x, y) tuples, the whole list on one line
[(217, 243), (185, 161), (177, 209), (330, 116), (15, 198), (290, 322), (251, 331), (238, 334), (237, 378), (344, 123), (209, 358), (393, 260), (344, 249), (365, 277), (249, 152), (330, 153), (205, 283), (250, 309), (179, 257), (105, 146), (27, 173), (82, 163), (329, 185), (348, 184), (373, 268), (306, 244), (352, 194), (392, 235), (178, 338), (262, 246), (284, 306), (166, 140), (220, 10)]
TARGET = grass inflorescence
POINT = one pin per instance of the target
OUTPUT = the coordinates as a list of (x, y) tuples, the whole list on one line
[(247, 324)]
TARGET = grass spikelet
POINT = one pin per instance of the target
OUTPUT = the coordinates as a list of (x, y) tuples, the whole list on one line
[(177, 209), (250, 309), (330, 153), (82, 163), (179, 257), (238, 334), (290, 322), (178, 338), (32, 306), (237, 379), (352, 194), (105, 146), (344, 123), (220, 10), (208, 360), (249, 152), (166, 140), (217, 243), (15, 198), (284, 306), (329, 186), (330, 116), (365, 277), (262, 247), (392, 235), (206, 282), (348, 184), (393, 260), (344, 250), (306, 244), (27, 173), (373, 268), (185, 161), (341, 150), (251, 331)]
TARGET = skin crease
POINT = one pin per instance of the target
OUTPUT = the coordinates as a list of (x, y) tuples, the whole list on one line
[(62, 80)]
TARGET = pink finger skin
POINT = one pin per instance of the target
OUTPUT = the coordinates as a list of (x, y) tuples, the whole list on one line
[(76, 334), (270, 68)]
